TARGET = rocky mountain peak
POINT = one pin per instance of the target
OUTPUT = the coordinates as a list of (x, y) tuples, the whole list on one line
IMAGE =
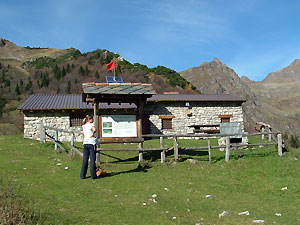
[(217, 60), (288, 74)]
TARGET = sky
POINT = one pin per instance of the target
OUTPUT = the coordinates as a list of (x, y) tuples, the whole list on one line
[(253, 37)]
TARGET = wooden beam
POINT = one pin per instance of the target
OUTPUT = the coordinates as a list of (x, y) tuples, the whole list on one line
[(120, 140)]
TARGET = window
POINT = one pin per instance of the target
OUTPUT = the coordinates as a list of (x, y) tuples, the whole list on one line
[(225, 118), (76, 120), (166, 122)]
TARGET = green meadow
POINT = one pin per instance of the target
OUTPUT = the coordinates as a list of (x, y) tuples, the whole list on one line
[(182, 192)]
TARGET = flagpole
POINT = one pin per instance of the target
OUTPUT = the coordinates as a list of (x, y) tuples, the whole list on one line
[(115, 71)]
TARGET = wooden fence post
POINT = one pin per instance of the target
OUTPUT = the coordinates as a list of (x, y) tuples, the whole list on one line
[(227, 148), (42, 132), (97, 156), (72, 144), (209, 151), (269, 135), (175, 148), (140, 152), (56, 140), (263, 133), (163, 152), (279, 138)]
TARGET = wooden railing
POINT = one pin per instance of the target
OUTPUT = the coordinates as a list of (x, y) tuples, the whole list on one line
[(276, 136)]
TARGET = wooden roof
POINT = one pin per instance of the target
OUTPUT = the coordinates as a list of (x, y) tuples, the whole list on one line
[(118, 88)]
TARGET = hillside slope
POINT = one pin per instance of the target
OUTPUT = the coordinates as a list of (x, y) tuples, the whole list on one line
[(279, 94), (26, 70), (216, 78)]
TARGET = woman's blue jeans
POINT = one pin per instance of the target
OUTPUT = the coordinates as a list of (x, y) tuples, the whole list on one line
[(88, 150)]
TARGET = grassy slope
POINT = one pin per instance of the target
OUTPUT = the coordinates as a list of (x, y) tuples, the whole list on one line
[(252, 183)]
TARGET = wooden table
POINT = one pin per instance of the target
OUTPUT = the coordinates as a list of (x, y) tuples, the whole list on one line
[(206, 128)]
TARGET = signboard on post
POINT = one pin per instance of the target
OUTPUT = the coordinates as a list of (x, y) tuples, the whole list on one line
[(118, 126), (231, 128)]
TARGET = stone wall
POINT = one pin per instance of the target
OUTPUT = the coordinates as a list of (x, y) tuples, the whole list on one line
[(196, 113), (32, 123)]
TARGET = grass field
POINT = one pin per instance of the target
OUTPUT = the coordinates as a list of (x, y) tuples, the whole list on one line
[(251, 181)]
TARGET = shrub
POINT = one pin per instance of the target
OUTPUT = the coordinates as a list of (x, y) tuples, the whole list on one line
[(2, 104)]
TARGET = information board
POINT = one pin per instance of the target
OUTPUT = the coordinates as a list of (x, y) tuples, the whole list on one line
[(118, 126), (231, 128)]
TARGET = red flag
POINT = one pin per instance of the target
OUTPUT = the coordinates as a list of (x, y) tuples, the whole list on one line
[(111, 65)]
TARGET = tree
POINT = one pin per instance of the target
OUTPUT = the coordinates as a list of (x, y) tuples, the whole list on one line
[(97, 74), (45, 80), (63, 71), (73, 66), (81, 71), (69, 87), (90, 61), (68, 68), (57, 72), (7, 83), (21, 82), (2, 104), (87, 71), (57, 90), (75, 81), (38, 83), (2, 76), (29, 84), (17, 89)]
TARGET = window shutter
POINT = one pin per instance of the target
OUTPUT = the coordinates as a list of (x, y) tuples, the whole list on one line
[(166, 124), (76, 120)]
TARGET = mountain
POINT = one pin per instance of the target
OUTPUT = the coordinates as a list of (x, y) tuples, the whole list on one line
[(28, 70), (216, 78), (279, 95), (288, 74), (275, 100)]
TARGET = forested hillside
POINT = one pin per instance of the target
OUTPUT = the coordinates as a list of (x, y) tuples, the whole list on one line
[(27, 70)]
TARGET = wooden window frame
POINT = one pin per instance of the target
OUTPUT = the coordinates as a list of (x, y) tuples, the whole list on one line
[(76, 120), (225, 118), (166, 122)]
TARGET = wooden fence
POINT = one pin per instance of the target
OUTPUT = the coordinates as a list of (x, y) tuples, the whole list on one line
[(276, 136)]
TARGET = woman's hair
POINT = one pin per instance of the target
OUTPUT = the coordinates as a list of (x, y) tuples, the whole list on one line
[(87, 118)]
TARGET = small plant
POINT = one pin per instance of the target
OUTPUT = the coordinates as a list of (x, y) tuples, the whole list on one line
[(16, 208), (146, 164)]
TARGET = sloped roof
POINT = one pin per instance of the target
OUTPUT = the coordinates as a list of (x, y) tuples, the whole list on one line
[(118, 88), (65, 101), (74, 101), (195, 97)]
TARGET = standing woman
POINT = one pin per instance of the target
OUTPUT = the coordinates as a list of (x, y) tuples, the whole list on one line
[(89, 145)]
